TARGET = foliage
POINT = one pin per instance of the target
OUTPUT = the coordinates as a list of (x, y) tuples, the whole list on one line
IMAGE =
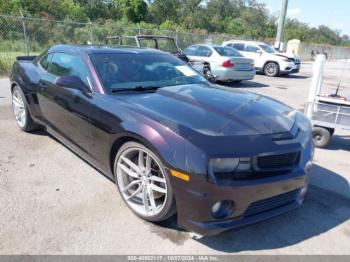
[(134, 10), (244, 18)]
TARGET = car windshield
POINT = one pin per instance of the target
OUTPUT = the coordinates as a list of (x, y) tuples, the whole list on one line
[(165, 44), (268, 49), (227, 51), (127, 71)]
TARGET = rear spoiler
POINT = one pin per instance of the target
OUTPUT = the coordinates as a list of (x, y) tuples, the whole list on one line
[(26, 58)]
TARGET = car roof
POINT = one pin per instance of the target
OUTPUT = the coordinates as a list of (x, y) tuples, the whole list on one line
[(245, 42), (95, 49), (207, 45)]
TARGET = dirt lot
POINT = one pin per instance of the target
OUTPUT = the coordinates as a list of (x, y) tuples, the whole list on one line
[(52, 202)]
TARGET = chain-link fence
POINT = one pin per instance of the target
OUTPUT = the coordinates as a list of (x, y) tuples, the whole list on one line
[(308, 51), (31, 36)]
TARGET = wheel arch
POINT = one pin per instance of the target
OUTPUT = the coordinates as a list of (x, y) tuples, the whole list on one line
[(130, 137), (207, 63), (13, 84), (25, 93), (271, 61)]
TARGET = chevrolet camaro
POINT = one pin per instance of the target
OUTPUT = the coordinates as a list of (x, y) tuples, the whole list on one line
[(217, 157)]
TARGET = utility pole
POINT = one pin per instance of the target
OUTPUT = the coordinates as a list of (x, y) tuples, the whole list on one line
[(281, 22)]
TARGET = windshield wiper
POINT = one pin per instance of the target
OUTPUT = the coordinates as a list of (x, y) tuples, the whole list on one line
[(136, 88)]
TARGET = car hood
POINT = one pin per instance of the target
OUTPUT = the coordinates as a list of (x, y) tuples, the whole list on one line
[(211, 110), (287, 55)]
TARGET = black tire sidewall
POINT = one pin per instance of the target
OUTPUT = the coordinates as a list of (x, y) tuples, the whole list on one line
[(169, 208), (325, 136)]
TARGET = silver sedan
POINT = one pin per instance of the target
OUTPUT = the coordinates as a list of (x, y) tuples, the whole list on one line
[(225, 64)]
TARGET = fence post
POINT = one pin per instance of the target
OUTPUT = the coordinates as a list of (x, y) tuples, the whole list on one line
[(316, 83), (90, 31), (26, 47), (177, 37)]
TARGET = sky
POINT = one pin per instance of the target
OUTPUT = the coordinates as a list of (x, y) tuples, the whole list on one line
[(332, 13)]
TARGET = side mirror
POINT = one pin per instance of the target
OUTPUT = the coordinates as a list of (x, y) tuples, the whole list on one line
[(259, 51), (73, 82)]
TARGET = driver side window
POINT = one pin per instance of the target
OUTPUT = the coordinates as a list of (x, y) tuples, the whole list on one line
[(251, 49), (191, 51), (63, 64), (204, 51)]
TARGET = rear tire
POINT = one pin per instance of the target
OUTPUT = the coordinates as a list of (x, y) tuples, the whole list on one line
[(321, 136), (207, 73), (21, 111), (271, 69)]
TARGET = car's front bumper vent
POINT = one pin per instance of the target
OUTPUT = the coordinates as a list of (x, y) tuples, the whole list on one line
[(271, 203), (281, 161)]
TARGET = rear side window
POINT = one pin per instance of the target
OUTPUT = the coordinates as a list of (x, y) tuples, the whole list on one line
[(204, 51), (63, 64), (191, 51), (238, 46), (226, 51), (251, 49)]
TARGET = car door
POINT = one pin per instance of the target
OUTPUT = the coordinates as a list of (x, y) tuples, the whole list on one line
[(66, 110), (203, 54), (253, 52), (238, 46), (191, 52)]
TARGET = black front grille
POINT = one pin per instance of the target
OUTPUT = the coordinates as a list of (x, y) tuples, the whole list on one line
[(271, 203), (282, 161)]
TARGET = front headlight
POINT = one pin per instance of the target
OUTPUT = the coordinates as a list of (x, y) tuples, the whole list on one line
[(224, 165), (227, 168), (303, 122)]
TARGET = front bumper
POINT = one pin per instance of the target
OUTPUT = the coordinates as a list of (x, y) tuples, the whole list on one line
[(195, 204), (289, 68)]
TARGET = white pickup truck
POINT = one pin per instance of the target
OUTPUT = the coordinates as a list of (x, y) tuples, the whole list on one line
[(266, 58)]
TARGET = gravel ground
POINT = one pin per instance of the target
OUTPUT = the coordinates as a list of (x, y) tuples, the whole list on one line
[(52, 202)]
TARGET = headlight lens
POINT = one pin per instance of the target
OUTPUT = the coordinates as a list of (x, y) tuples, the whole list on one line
[(303, 122), (224, 165)]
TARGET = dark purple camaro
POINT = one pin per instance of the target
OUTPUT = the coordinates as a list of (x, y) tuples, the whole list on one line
[(172, 142)]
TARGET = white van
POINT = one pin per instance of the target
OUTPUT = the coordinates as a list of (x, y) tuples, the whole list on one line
[(266, 58)]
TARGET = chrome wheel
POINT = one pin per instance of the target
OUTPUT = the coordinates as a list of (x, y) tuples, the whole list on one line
[(19, 108), (141, 181), (271, 69)]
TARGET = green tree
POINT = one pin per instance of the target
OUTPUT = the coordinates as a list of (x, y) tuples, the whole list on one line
[(54, 9), (134, 10), (296, 30), (162, 10), (101, 9)]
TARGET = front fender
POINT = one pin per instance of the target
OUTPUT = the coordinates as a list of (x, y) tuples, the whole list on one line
[(169, 146)]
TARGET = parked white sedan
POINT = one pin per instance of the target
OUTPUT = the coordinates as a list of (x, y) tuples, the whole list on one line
[(225, 64)]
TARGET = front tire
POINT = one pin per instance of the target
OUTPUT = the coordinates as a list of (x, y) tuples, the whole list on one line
[(272, 69), (143, 182), (21, 112), (321, 136)]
